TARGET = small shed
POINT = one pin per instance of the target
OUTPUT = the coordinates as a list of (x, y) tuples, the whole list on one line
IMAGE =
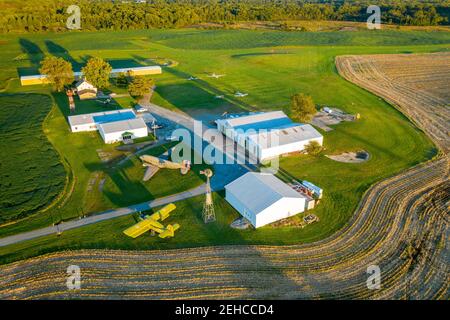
[(262, 198), (85, 90)]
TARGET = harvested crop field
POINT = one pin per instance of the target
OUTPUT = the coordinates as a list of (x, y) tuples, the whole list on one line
[(419, 84), (403, 214)]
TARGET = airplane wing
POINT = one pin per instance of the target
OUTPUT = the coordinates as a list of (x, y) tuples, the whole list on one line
[(170, 231), (150, 172), (144, 226), (151, 223), (163, 213)]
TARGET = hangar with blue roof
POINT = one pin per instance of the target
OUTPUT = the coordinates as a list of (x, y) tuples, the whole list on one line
[(266, 135)]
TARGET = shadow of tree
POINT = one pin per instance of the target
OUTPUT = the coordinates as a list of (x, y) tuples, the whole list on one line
[(34, 54), (128, 191), (202, 89), (58, 51)]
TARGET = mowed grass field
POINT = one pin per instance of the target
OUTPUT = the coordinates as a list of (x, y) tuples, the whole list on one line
[(270, 67)]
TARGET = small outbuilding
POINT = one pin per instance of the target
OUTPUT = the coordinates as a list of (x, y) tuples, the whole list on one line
[(262, 198), (85, 90)]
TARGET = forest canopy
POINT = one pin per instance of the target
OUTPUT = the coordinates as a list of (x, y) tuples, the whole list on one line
[(51, 15)]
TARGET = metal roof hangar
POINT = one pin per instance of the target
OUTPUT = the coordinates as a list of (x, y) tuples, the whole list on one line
[(266, 135)]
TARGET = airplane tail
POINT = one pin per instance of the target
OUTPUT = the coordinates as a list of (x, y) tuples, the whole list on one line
[(170, 231)]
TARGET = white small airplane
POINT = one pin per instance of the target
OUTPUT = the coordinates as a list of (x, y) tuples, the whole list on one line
[(106, 101), (219, 97), (192, 78), (216, 76), (240, 94)]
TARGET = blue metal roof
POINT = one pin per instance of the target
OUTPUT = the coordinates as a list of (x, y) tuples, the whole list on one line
[(113, 117), (280, 123)]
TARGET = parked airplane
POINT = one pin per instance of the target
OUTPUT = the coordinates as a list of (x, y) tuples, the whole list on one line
[(240, 94), (150, 223), (106, 101), (153, 165), (216, 76)]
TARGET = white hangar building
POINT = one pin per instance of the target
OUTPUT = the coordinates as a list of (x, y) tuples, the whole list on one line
[(266, 135), (113, 126), (112, 132), (262, 198)]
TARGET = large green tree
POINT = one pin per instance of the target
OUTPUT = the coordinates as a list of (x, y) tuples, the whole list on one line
[(97, 72), (140, 86), (58, 71), (313, 148), (302, 108)]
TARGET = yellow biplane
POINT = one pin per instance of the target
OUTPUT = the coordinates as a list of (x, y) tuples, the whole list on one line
[(150, 223)]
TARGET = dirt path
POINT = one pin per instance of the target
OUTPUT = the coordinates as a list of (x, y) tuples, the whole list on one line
[(110, 214)]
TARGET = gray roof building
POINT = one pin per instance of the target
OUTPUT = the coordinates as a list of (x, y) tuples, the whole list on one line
[(124, 125)]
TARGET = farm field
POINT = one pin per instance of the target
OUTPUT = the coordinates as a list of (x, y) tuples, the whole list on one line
[(270, 67), (403, 213), (423, 92), (31, 172)]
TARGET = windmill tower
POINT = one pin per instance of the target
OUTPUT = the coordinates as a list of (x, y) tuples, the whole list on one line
[(71, 102), (208, 207)]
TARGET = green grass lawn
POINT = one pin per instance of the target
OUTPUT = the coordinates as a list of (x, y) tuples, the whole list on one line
[(270, 67), (124, 185), (192, 233)]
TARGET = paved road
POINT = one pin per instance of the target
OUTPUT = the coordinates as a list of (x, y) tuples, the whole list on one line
[(106, 215), (232, 154)]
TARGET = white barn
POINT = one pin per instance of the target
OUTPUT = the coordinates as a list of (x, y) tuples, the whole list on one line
[(113, 126), (266, 135), (91, 121), (117, 131), (262, 198)]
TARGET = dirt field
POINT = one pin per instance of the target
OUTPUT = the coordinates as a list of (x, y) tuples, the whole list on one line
[(350, 157), (401, 225)]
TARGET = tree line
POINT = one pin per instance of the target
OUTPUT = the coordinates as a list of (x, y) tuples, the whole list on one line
[(51, 15)]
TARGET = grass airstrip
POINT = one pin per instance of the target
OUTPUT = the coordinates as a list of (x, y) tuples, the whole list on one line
[(268, 65)]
